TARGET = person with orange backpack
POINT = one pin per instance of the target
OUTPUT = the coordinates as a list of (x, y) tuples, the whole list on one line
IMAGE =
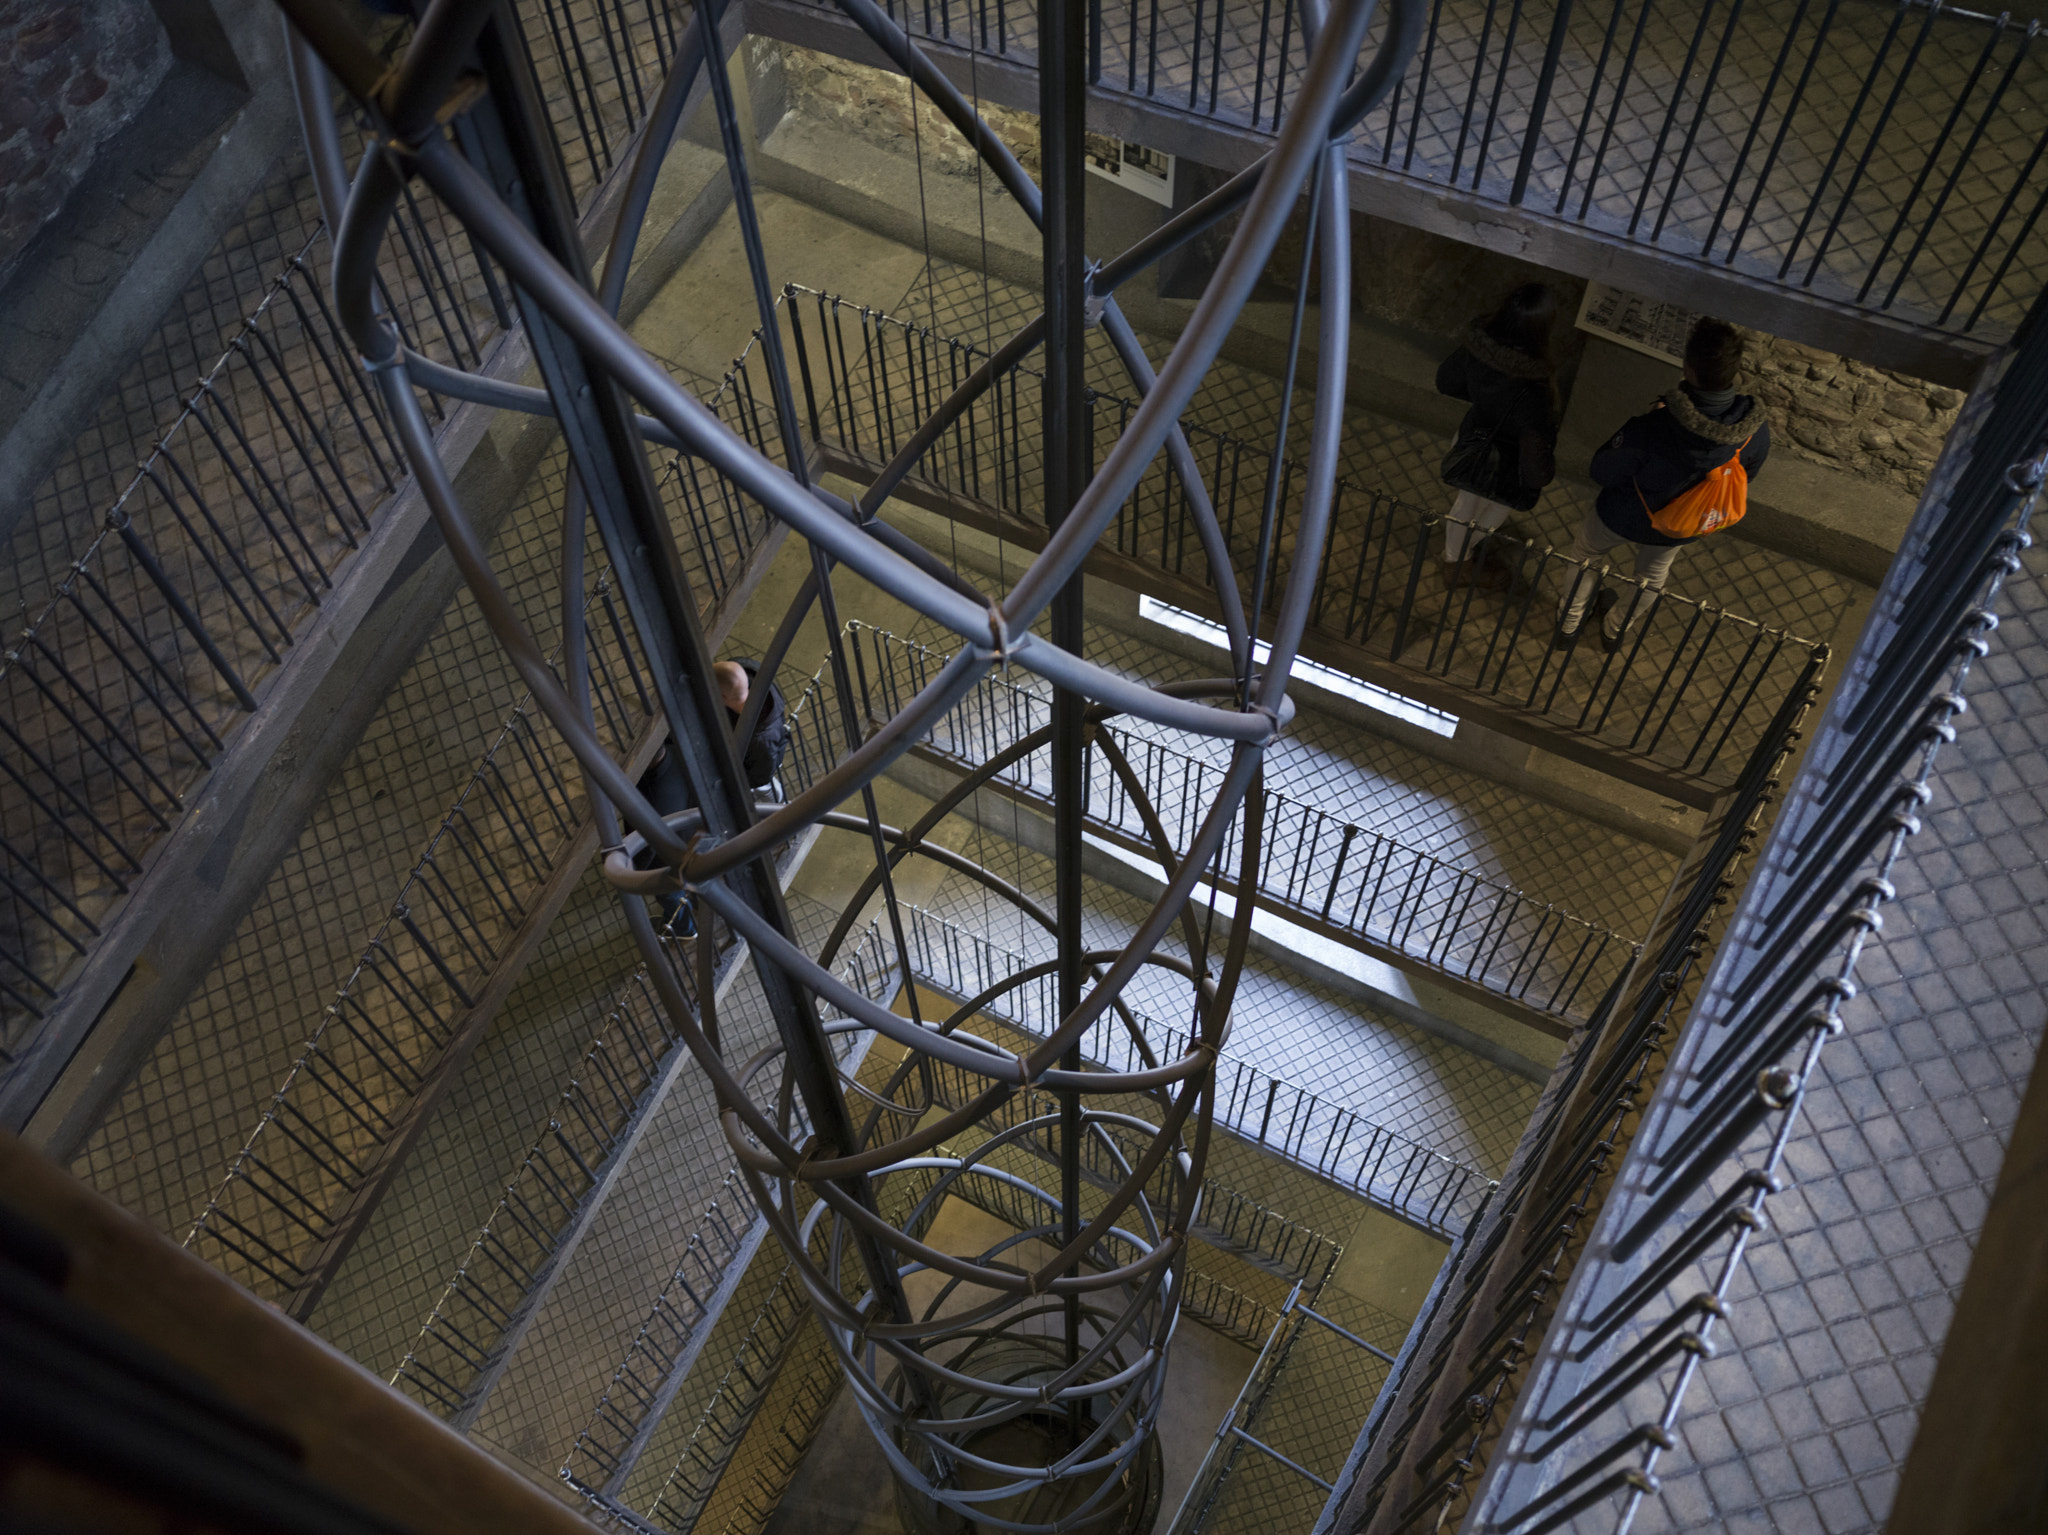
[(1676, 473)]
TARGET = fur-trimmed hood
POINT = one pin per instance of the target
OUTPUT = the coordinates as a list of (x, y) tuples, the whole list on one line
[(1687, 415), (1503, 359), (1665, 451), (1514, 407)]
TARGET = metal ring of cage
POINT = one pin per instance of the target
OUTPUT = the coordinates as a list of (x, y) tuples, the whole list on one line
[(1121, 1401), (1139, 1272)]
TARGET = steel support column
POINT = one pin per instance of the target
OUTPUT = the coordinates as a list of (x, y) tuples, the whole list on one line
[(1062, 141), (611, 464)]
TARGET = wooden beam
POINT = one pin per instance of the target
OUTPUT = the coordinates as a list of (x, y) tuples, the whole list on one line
[(358, 1436)]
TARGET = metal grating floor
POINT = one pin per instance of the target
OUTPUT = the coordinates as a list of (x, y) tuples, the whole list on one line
[(1804, 1424), (1459, 118)]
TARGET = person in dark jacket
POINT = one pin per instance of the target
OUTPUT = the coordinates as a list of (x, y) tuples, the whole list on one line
[(1504, 453), (668, 791), (762, 758), (1655, 458)]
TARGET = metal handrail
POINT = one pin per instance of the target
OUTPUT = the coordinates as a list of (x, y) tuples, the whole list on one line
[(1654, 128), (1616, 1363), (466, 1338), (1422, 1455), (1320, 869), (1690, 691)]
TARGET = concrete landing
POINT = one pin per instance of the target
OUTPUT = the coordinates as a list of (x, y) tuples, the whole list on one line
[(1834, 521)]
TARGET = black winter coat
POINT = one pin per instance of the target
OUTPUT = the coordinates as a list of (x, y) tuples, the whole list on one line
[(762, 759), (1512, 397), (668, 790), (1661, 454)]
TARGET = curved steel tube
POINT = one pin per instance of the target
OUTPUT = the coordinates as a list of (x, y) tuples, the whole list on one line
[(1122, 1267)]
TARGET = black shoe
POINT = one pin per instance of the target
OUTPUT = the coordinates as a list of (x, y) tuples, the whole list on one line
[(1565, 639), (678, 920), (1603, 604)]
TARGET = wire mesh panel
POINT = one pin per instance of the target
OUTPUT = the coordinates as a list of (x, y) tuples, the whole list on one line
[(1690, 691), (322, 1139), (1884, 156), (121, 691), (1340, 876), (1270, 1466)]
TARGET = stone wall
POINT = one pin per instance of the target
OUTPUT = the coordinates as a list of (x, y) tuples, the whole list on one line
[(877, 105), (1847, 415), (72, 73)]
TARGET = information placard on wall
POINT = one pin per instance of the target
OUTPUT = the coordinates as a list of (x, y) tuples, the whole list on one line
[(1640, 324), (1147, 172)]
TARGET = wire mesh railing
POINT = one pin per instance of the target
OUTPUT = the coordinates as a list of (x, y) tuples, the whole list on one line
[(1884, 156), (1241, 1224), (1689, 693), (479, 1319), (1429, 1440), (492, 1295), (1606, 1391), (119, 694), (1313, 1377), (189, 587), (1228, 1445), (275, 1216), (735, 1404), (644, 1382), (1401, 1175), (761, 1364), (1225, 1308), (1318, 868)]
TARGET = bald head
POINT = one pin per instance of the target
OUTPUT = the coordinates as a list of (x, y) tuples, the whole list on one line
[(731, 678)]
